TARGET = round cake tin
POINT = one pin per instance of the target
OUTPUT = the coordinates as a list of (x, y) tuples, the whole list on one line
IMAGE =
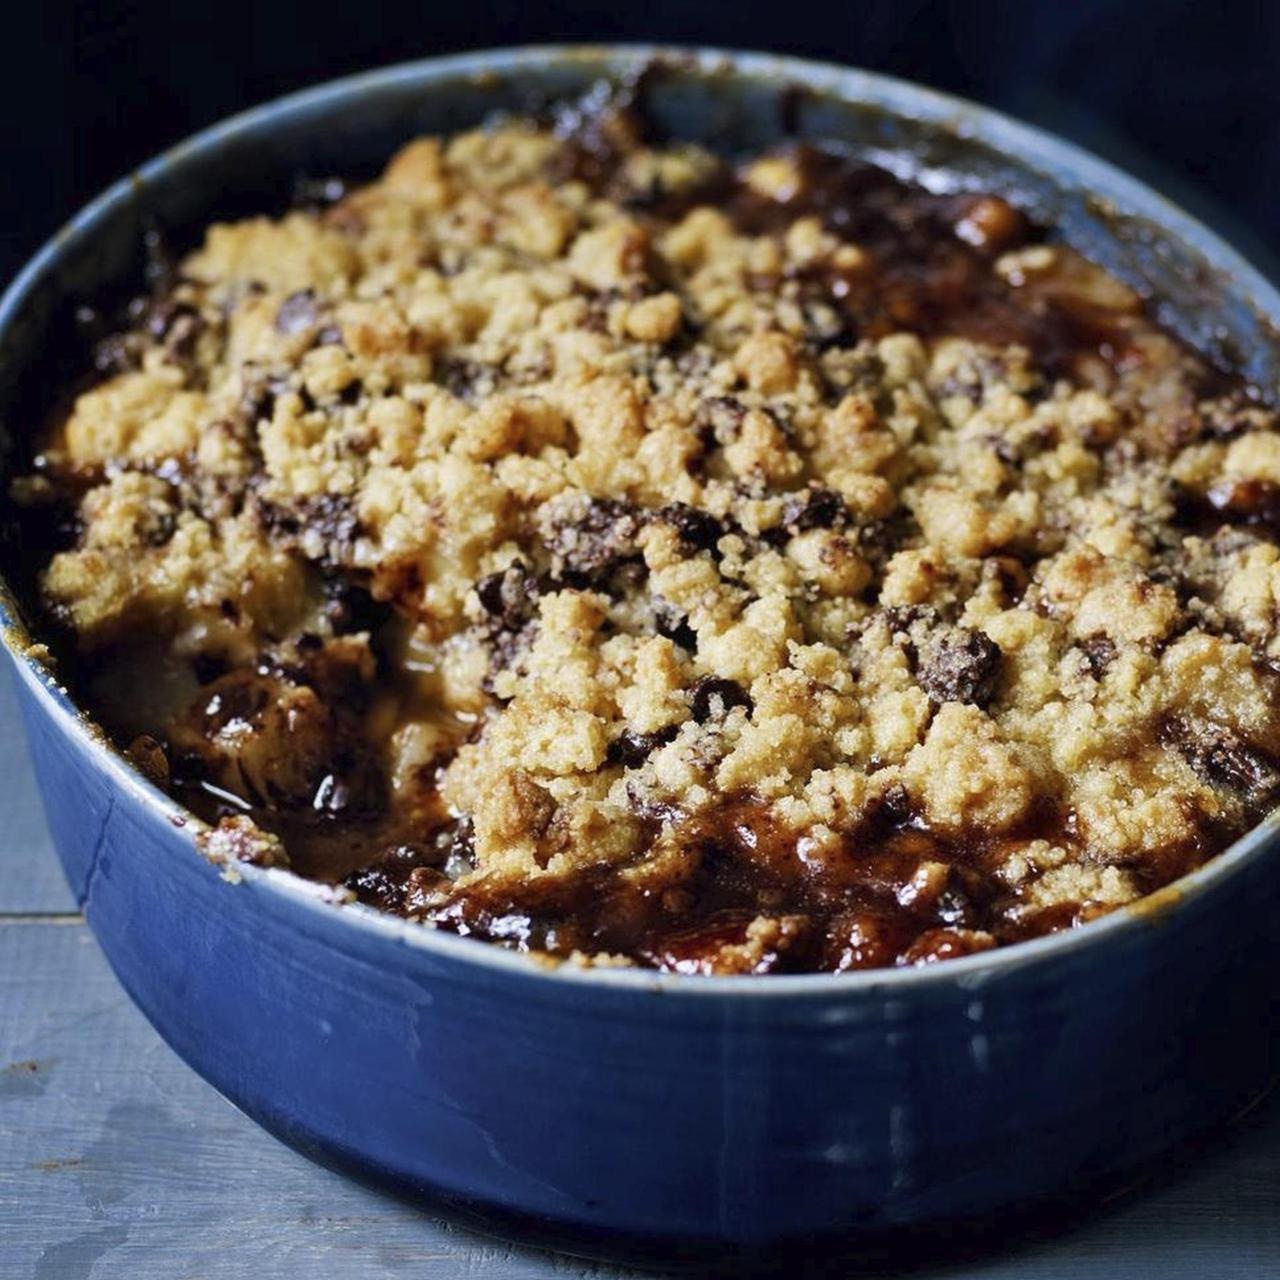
[(631, 1109)]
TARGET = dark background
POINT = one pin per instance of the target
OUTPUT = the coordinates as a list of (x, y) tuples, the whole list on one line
[(1185, 94)]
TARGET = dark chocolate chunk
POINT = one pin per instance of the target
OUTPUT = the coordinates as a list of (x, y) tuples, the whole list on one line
[(878, 540), (1099, 651), (1223, 759), (631, 749), (720, 418), (466, 379), (509, 597), (424, 888), (1009, 575), (697, 529), (713, 696), (813, 508), (894, 808), (671, 622), (378, 886), (258, 402), (177, 325), (411, 878), (588, 548), (909, 622), (826, 325), (962, 665), (332, 515), (158, 527), (350, 607)]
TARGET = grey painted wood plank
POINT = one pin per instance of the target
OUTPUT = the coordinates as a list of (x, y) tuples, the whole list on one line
[(116, 1160), (30, 878)]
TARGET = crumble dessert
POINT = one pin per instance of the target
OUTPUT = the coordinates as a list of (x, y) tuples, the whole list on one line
[(618, 553)]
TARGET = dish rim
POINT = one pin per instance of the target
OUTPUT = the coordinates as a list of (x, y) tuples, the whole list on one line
[(896, 96)]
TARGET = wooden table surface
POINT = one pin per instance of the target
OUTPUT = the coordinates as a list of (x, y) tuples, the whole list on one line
[(116, 1160)]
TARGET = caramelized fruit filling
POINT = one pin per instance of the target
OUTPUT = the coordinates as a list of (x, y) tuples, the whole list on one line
[(616, 552)]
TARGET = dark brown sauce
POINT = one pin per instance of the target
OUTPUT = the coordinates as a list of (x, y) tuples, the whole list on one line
[(931, 257), (871, 901), (892, 892)]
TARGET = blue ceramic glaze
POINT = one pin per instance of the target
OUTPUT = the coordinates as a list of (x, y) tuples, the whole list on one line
[(664, 1109)]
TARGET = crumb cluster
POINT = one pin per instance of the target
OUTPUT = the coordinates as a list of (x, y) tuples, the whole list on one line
[(609, 551)]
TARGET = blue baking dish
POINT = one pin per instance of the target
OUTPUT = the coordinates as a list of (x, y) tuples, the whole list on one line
[(622, 1108)]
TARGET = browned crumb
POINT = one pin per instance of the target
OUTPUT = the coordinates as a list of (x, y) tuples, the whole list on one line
[(615, 554)]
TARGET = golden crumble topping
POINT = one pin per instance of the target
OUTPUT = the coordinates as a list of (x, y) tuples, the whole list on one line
[(609, 551)]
